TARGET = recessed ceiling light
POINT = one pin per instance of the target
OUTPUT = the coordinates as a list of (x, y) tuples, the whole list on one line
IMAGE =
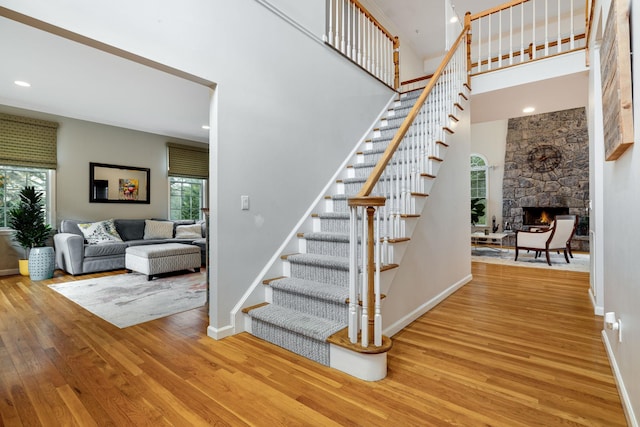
[(528, 110), (22, 84), (206, 127)]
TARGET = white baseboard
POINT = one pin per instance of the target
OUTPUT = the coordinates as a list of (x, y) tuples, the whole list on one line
[(622, 390), (219, 333), (9, 272), (391, 330), (598, 310)]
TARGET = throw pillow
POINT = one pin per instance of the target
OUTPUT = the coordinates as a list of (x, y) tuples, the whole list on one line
[(203, 224), (192, 231), (99, 232), (158, 229)]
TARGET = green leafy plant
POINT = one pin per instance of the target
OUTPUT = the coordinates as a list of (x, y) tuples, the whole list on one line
[(477, 210), (28, 220)]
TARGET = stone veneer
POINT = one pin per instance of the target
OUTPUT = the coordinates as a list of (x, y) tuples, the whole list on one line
[(567, 185)]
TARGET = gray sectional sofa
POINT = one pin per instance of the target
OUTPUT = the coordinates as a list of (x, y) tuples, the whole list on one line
[(76, 254)]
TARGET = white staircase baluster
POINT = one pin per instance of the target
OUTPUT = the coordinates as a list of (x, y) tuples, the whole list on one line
[(489, 45), (572, 38), (500, 39), (546, 27), (377, 319), (364, 291), (479, 45), (511, 35), (559, 33), (329, 34), (521, 32), (533, 29), (353, 274)]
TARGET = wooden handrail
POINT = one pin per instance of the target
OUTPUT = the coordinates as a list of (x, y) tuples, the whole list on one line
[(529, 51), (368, 186), (589, 23), (497, 9), (417, 79)]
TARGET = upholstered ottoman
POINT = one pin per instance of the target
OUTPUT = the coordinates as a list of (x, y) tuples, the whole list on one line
[(162, 258)]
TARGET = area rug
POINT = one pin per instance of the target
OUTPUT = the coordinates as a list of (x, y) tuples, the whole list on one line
[(129, 299), (579, 262)]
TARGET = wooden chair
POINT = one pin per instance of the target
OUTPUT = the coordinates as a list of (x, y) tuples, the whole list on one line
[(558, 237)]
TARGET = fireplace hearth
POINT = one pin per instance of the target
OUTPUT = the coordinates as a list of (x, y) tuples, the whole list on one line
[(541, 216)]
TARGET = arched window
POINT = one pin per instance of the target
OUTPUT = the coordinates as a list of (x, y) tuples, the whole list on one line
[(478, 189)]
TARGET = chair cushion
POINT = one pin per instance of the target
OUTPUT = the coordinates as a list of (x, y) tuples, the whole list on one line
[(105, 249)]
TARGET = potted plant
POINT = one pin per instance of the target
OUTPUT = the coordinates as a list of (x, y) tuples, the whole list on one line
[(27, 219), (477, 210)]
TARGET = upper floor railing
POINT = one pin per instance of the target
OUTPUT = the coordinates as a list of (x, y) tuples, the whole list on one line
[(525, 30), (355, 33)]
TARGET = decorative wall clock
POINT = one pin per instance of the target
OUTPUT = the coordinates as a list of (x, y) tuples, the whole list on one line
[(544, 158)]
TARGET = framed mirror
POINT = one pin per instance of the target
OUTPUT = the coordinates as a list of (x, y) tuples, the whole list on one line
[(119, 184)]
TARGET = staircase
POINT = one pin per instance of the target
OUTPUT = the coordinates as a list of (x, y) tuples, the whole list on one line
[(325, 303), (310, 304)]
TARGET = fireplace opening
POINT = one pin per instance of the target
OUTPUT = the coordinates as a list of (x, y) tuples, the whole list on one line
[(533, 216)]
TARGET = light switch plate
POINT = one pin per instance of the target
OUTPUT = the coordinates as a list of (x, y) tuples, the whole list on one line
[(244, 203)]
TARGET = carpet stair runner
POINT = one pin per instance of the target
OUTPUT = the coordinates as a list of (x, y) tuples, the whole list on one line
[(310, 304)]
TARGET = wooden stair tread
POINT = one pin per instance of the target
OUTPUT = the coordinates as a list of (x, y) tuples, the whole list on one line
[(389, 267), (399, 240), (268, 281), (253, 307), (436, 159), (341, 339)]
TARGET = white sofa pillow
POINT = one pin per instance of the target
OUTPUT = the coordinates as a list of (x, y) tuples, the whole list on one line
[(158, 229), (99, 232), (191, 231)]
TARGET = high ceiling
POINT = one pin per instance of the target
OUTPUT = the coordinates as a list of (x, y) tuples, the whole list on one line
[(74, 80), (419, 23)]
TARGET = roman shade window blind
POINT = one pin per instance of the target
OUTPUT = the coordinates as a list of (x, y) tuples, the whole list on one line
[(28, 142), (188, 161)]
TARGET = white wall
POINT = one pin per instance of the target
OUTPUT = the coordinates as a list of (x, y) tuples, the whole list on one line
[(309, 14), (410, 63), (490, 140), (81, 142), (437, 260), (621, 249), (286, 112)]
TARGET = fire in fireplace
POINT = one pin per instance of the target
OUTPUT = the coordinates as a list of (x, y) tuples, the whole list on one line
[(535, 216)]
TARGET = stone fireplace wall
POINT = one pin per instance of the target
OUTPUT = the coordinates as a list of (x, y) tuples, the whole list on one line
[(530, 179)]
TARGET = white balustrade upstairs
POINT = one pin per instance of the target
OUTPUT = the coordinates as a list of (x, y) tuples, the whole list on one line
[(355, 33), (379, 211), (525, 30)]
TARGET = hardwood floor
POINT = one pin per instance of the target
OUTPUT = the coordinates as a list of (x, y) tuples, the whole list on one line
[(515, 347)]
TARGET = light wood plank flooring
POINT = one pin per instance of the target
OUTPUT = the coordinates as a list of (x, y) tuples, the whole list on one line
[(515, 347)]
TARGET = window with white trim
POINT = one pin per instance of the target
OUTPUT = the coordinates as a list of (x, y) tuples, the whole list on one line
[(13, 179), (186, 197), (479, 175)]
